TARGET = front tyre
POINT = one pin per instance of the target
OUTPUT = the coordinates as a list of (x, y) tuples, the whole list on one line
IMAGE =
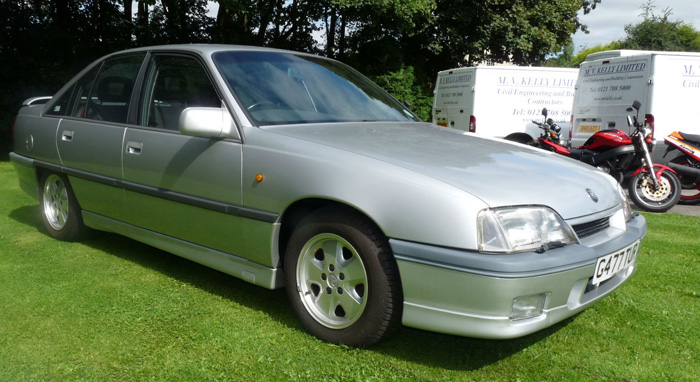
[(655, 199), (342, 280), (59, 209)]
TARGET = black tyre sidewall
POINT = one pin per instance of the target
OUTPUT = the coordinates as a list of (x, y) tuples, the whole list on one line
[(382, 314), (74, 228), (692, 200), (642, 203)]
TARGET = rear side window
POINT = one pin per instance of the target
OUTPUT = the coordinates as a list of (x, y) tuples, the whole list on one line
[(72, 102), (173, 83), (103, 93)]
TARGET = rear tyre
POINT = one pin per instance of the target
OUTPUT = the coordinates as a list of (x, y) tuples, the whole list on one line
[(59, 209), (690, 193), (655, 199), (342, 280)]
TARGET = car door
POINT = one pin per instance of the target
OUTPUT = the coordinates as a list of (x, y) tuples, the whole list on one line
[(89, 136), (181, 186)]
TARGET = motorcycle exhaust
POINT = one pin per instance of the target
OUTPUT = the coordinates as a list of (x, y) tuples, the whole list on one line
[(684, 170)]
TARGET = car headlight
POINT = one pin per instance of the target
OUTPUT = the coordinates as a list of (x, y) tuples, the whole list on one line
[(626, 209), (520, 229)]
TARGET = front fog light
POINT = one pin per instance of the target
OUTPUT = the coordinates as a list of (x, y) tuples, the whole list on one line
[(527, 306)]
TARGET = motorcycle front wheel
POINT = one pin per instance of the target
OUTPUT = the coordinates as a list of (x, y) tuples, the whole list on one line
[(655, 199)]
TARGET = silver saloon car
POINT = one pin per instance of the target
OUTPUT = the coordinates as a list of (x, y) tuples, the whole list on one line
[(291, 170)]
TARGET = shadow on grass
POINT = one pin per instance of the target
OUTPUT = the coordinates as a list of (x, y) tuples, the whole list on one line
[(28, 216), (422, 347), (457, 353)]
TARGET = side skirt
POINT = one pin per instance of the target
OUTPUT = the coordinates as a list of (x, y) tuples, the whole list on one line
[(270, 278)]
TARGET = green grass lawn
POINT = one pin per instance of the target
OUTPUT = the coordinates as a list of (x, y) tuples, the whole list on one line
[(111, 309)]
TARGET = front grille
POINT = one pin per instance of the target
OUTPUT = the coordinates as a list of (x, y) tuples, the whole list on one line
[(591, 228)]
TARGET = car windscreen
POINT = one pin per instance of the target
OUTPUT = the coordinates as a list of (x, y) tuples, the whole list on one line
[(284, 88)]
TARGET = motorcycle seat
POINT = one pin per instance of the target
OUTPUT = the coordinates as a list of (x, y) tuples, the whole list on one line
[(694, 138)]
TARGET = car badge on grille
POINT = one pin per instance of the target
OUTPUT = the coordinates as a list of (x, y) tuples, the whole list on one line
[(592, 195)]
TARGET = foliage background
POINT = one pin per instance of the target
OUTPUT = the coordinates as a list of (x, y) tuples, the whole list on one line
[(401, 44)]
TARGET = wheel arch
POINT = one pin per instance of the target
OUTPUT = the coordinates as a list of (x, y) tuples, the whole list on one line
[(298, 210), (41, 172)]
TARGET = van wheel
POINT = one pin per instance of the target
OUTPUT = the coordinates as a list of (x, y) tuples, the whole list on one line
[(59, 209), (342, 280)]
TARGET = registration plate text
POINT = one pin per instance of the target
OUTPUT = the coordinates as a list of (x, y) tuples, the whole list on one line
[(608, 266), (588, 128)]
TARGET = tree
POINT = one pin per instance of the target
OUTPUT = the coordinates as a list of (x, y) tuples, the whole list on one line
[(520, 31), (275, 23), (401, 43), (658, 32), (405, 87), (565, 59), (581, 56)]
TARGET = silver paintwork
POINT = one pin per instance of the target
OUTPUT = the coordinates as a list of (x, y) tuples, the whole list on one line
[(195, 193), (36, 101), (208, 122), (473, 298)]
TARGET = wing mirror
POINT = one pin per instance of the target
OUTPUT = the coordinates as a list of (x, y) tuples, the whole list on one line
[(632, 121), (209, 122)]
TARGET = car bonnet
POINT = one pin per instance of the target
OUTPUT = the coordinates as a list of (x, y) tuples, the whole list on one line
[(498, 172)]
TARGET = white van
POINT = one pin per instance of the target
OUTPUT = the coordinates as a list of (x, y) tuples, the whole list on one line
[(502, 101), (666, 83)]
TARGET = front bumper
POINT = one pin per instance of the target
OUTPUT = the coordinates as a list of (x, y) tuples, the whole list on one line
[(471, 294)]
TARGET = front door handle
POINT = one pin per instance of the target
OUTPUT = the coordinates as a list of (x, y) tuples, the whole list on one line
[(67, 136), (134, 148)]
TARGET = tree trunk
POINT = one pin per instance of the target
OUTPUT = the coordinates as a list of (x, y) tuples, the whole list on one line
[(341, 43), (330, 34), (128, 10)]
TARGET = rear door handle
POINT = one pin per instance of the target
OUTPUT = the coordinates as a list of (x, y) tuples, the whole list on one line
[(67, 136), (134, 148)]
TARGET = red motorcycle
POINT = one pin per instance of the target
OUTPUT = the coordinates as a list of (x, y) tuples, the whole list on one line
[(652, 187), (687, 164)]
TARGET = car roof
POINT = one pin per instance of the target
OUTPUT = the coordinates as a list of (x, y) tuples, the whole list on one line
[(204, 49)]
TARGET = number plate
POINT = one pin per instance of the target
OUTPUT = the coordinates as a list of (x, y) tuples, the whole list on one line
[(588, 128), (608, 266)]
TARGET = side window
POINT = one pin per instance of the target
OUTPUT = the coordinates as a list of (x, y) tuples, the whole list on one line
[(111, 93), (172, 84), (73, 101)]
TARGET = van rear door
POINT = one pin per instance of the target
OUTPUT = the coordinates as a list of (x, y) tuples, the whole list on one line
[(454, 100), (606, 88)]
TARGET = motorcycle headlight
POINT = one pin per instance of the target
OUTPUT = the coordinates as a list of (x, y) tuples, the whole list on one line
[(521, 229)]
